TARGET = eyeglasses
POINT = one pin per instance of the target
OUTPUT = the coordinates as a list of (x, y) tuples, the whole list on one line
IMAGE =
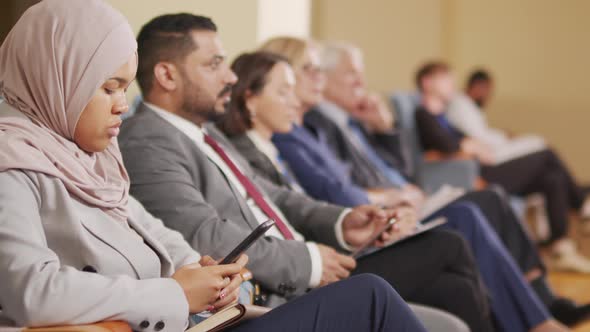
[(312, 70)]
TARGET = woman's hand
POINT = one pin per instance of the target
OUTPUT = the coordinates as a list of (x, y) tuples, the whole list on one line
[(204, 286), (231, 292)]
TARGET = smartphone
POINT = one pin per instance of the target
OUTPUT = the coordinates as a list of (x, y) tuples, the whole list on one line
[(248, 241), (374, 238)]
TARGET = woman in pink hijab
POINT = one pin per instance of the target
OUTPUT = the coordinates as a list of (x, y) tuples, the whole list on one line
[(75, 248)]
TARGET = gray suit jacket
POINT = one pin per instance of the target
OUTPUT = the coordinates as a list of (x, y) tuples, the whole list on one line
[(63, 262), (176, 181)]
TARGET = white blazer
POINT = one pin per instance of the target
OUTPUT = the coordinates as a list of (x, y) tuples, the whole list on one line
[(63, 262)]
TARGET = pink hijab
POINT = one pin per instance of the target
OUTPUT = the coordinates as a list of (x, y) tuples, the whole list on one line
[(51, 63)]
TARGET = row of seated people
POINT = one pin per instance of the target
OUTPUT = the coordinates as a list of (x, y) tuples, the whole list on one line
[(78, 248), (522, 165), (322, 147)]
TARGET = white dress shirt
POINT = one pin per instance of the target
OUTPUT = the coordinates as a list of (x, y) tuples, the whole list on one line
[(465, 115), (196, 134)]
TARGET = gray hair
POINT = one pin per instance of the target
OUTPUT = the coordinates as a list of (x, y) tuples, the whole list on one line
[(332, 53)]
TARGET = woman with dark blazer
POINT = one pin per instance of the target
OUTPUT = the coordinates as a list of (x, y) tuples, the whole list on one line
[(540, 172), (75, 248)]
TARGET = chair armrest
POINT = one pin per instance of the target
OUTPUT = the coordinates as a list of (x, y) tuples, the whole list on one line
[(432, 155), (98, 327), (457, 173)]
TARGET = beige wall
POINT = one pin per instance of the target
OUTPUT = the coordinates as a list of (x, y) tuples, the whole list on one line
[(538, 50), (283, 17), (387, 30)]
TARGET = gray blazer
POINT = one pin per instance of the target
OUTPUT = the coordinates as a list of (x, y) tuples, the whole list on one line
[(63, 262), (176, 182)]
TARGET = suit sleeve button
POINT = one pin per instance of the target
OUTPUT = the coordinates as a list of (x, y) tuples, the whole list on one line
[(144, 325), (159, 326)]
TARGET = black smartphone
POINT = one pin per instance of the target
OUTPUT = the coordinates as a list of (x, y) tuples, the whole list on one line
[(248, 241)]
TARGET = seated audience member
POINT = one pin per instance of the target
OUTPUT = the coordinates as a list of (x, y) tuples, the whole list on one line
[(258, 93), (188, 174), (68, 226), (359, 130), (541, 172), (466, 113)]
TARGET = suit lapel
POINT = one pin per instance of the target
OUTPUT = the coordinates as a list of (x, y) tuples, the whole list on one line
[(244, 208), (258, 158), (124, 241), (156, 246)]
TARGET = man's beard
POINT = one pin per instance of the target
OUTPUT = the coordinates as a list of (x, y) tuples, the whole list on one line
[(195, 103), (220, 108)]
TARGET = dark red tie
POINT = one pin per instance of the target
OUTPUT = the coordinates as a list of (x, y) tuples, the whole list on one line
[(251, 189)]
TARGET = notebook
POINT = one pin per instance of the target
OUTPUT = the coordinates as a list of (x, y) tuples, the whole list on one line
[(421, 227), (229, 316)]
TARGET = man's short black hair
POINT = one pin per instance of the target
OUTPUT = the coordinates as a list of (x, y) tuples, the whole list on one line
[(167, 38), (479, 75)]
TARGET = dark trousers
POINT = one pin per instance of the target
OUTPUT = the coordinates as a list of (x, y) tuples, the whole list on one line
[(435, 269), (515, 305), (495, 206), (541, 172), (360, 303)]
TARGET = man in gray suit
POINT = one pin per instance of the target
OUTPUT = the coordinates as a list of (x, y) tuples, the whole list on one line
[(187, 174)]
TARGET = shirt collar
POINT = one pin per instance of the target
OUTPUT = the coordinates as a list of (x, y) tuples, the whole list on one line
[(334, 113), (267, 147), (188, 128)]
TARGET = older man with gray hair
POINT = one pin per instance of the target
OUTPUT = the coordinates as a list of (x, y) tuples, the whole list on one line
[(358, 126)]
